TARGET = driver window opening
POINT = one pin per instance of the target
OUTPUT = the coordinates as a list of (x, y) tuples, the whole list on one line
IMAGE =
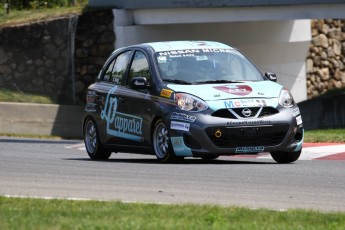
[(117, 68), (139, 67)]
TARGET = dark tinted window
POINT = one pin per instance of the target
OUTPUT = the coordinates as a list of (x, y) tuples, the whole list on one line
[(116, 70), (139, 67)]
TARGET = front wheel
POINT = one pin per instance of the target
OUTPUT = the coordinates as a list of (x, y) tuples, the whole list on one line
[(161, 143), (285, 157), (93, 145)]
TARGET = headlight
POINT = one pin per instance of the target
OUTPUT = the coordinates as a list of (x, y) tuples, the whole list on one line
[(190, 103), (285, 98)]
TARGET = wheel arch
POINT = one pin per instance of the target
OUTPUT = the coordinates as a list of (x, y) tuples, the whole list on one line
[(94, 120), (154, 121), (84, 121)]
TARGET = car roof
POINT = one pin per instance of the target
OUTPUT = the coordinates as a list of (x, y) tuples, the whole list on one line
[(183, 45)]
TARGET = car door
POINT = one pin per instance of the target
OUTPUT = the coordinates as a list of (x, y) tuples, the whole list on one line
[(137, 102), (109, 96)]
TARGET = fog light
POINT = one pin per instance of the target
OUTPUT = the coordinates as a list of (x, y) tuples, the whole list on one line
[(218, 133)]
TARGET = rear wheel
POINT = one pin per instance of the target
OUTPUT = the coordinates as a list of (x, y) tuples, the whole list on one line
[(161, 143), (92, 143), (285, 157)]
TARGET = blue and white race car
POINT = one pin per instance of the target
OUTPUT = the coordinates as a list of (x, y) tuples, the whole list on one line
[(189, 99)]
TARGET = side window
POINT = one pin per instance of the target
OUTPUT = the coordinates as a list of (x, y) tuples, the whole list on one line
[(108, 72), (117, 68), (139, 67)]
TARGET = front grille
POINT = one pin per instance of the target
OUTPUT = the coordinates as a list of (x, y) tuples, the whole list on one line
[(224, 113), (268, 111), (239, 112), (236, 113), (232, 137)]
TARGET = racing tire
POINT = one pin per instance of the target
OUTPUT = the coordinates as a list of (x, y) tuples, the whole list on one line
[(285, 157), (161, 143), (94, 148)]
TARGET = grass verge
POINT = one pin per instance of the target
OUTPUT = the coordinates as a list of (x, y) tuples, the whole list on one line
[(325, 135), (17, 17), (25, 213), (13, 96), (30, 136)]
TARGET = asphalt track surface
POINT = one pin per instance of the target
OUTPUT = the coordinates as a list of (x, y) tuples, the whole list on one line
[(62, 169)]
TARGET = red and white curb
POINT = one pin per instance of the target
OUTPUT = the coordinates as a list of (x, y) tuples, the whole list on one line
[(318, 151), (310, 151)]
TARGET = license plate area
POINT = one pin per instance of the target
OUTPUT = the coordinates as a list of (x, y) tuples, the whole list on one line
[(252, 131)]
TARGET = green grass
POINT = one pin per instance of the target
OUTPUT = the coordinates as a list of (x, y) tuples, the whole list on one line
[(325, 135), (30, 136), (16, 17), (25, 213), (12, 96)]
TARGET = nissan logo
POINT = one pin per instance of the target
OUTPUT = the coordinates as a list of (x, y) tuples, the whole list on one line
[(246, 112)]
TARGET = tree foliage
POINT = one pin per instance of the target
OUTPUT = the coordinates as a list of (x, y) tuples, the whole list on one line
[(39, 4)]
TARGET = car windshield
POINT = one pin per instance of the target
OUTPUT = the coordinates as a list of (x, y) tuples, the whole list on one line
[(206, 66)]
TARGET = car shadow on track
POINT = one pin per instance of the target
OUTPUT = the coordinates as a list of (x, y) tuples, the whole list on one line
[(183, 162)]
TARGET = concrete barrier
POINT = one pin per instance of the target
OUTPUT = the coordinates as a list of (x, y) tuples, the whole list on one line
[(41, 119), (323, 112)]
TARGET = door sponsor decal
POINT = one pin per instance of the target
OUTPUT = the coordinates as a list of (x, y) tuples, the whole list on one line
[(179, 126), (121, 124), (240, 90)]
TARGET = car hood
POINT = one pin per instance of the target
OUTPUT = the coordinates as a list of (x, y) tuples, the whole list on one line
[(213, 92)]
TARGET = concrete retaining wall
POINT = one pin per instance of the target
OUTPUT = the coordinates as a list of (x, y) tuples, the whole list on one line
[(41, 119), (323, 112)]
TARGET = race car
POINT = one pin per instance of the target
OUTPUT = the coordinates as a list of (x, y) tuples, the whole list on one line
[(182, 99)]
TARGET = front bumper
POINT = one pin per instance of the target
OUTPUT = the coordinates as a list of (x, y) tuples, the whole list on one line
[(210, 135)]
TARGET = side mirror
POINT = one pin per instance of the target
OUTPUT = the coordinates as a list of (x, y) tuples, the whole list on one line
[(138, 83), (271, 76)]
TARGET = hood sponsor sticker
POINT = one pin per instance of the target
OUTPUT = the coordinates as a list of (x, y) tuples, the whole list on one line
[(239, 90)]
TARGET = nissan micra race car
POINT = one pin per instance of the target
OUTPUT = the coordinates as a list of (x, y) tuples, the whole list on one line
[(189, 99)]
